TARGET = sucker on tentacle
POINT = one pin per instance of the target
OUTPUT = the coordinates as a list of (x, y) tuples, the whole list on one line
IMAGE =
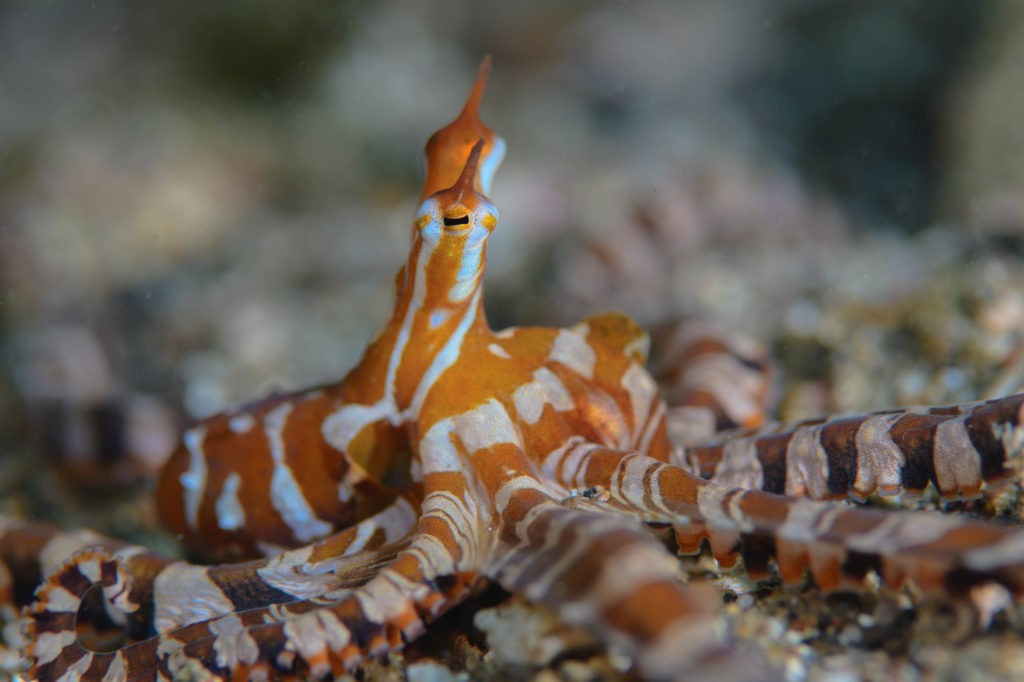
[(532, 457)]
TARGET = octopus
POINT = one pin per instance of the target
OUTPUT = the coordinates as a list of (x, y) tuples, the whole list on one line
[(337, 523)]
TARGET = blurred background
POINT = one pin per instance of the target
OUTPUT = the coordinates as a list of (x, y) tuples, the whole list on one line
[(202, 202)]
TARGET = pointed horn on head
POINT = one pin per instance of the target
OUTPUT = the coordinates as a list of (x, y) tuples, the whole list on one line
[(464, 185), (447, 148), (471, 109)]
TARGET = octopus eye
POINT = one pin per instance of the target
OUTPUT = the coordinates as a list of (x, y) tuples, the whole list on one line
[(449, 222)]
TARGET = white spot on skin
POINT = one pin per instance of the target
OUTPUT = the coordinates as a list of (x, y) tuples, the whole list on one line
[(642, 391), (437, 452), (230, 514), (739, 466), (879, 460), (241, 423), (344, 424), (234, 645), (545, 389), (1012, 438), (529, 400), (168, 645), (486, 426), (806, 464), (63, 545), (285, 494), (48, 645), (397, 520), (184, 594), (118, 670), (497, 350), (572, 350), (802, 521), (899, 532), (957, 463), (1006, 552), (312, 633), (381, 600), (482, 427), (193, 479), (59, 600), (439, 317), (364, 531), (291, 572), (90, 567)]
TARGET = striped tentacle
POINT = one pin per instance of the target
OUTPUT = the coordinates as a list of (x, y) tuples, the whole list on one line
[(330, 634), (604, 573), (160, 594), (58, 655), (344, 560), (599, 570), (218, 648), (713, 379), (55, 650), (335, 632), (31, 551), (957, 449), (627, 483), (332, 630), (834, 541), (840, 544)]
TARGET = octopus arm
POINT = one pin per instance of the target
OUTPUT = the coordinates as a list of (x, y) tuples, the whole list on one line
[(956, 449)]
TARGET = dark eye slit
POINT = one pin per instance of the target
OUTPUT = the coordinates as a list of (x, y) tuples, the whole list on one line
[(464, 220)]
